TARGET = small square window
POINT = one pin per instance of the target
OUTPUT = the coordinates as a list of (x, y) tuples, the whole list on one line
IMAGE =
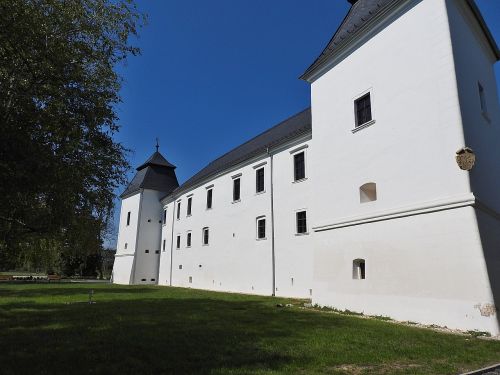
[(261, 228), (146, 251), (363, 109), (157, 251), (180, 266)]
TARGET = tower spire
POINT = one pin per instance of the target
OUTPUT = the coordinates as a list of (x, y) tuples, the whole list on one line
[(157, 144)]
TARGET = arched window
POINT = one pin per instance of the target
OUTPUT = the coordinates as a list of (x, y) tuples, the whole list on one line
[(358, 269), (368, 192)]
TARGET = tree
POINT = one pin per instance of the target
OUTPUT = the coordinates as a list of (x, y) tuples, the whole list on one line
[(59, 164)]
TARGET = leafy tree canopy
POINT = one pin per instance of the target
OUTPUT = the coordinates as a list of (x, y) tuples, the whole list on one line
[(59, 164)]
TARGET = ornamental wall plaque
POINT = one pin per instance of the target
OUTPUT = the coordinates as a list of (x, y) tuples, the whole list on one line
[(465, 158)]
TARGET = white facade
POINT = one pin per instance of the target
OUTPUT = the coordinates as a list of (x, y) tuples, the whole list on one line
[(394, 226)]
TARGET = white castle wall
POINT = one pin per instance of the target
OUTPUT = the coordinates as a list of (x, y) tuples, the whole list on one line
[(422, 264)]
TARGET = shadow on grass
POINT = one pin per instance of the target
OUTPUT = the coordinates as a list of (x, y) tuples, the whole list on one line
[(47, 290), (179, 331), (165, 336)]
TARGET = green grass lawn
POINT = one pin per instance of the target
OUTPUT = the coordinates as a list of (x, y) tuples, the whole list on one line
[(160, 330)]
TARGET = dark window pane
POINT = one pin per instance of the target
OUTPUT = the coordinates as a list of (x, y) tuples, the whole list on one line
[(259, 177), (301, 222), (362, 269), (209, 198), (299, 166), (205, 236), (128, 218), (363, 110), (190, 203), (164, 216), (178, 242), (179, 210), (164, 244), (189, 239), (236, 189), (261, 228)]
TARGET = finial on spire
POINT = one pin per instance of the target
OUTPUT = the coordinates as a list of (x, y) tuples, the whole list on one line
[(157, 144)]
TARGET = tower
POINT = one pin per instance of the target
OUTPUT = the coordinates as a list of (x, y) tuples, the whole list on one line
[(139, 236)]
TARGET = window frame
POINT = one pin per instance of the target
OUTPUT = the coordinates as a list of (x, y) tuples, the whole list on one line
[(306, 231), (210, 194), (207, 237), (359, 269), (258, 220), (178, 216), (189, 208), (294, 159), (258, 182), (189, 238), (236, 188), (357, 102)]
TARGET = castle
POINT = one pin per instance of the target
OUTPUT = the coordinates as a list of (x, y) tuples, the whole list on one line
[(382, 198)]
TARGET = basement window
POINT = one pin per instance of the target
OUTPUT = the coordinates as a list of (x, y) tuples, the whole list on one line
[(143, 279), (368, 192), (157, 251), (153, 279), (146, 251), (358, 269)]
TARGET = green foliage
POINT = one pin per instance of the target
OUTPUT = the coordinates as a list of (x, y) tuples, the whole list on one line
[(160, 330), (59, 164)]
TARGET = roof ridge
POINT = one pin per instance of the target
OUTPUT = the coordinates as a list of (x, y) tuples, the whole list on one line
[(258, 135)]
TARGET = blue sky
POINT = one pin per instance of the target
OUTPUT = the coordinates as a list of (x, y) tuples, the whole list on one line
[(213, 74)]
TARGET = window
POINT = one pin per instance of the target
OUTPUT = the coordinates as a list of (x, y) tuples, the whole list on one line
[(358, 269), (178, 210), (128, 218), (482, 99), (299, 166), (261, 228), (188, 239), (164, 244), (178, 244), (368, 192), (236, 189), (146, 251), (190, 204), (301, 222), (126, 245), (205, 236), (157, 251), (180, 266), (209, 198), (259, 180), (164, 220), (190, 279), (363, 110)]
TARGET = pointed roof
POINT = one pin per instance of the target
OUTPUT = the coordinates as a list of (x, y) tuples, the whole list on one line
[(360, 15), (361, 12), (155, 174), (158, 160)]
